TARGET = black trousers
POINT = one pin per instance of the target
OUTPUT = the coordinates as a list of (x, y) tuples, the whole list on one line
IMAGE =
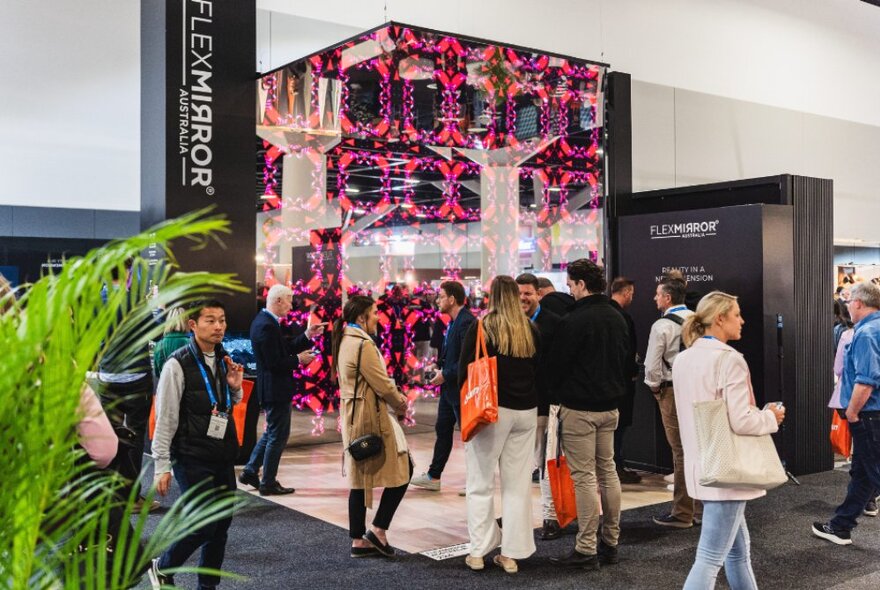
[(357, 512), (219, 479), (448, 415)]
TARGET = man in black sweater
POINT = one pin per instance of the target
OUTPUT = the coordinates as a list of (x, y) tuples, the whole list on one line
[(588, 364)]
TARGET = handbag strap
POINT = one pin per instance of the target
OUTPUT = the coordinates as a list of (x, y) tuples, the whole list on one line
[(481, 341), (357, 379), (719, 374)]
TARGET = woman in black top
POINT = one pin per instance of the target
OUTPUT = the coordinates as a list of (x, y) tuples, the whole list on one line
[(509, 443)]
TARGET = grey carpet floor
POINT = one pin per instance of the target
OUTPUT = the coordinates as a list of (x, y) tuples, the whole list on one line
[(279, 548)]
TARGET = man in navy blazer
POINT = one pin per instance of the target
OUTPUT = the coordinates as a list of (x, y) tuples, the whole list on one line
[(451, 301), (276, 361)]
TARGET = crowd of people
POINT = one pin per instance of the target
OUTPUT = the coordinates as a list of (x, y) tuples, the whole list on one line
[(567, 365), (563, 382)]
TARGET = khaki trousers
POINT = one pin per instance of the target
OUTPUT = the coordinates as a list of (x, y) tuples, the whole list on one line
[(588, 444), (684, 508)]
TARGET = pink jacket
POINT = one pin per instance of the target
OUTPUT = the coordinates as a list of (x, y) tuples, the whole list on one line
[(695, 375)]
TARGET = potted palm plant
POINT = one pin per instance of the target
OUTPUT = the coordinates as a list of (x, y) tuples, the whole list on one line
[(64, 524)]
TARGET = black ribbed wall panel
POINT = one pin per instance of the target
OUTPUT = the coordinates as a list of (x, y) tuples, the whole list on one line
[(797, 284), (809, 451)]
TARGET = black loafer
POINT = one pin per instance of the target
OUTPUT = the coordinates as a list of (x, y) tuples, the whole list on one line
[(275, 489), (249, 479), (551, 530), (577, 559), (383, 548), (364, 552)]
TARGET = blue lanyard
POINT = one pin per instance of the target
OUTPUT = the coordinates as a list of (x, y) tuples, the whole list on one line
[(709, 337), (219, 365), (537, 311), (677, 308), (354, 325)]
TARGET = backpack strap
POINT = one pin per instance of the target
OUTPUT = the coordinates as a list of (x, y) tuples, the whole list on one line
[(680, 321)]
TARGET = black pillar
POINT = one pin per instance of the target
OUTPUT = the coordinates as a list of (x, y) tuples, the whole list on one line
[(197, 129), (618, 158)]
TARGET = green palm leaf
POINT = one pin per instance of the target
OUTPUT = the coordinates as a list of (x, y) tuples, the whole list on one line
[(50, 338)]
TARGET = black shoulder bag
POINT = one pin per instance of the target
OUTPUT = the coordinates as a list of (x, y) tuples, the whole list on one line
[(368, 445)]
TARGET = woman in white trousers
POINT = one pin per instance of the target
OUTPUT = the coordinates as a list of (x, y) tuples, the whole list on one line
[(508, 444)]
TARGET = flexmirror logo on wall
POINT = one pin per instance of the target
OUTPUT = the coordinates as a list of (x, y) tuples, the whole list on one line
[(684, 231), (196, 97)]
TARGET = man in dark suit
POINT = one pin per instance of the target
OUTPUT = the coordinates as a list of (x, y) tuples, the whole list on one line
[(276, 361), (451, 302), (622, 290)]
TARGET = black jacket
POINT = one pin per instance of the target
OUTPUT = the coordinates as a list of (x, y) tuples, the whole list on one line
[(589, 357), (450, 351), (276, 359), (557, 302), (516, 376), (548, 323)]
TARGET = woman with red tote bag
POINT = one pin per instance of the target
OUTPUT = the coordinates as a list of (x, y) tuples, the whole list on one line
[(508, 443)]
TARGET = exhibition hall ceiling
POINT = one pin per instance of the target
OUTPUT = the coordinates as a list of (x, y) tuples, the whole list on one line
[(409, 118)]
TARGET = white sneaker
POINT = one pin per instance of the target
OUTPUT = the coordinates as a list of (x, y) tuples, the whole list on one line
[(426, 482), (157, 580), (669, 478)]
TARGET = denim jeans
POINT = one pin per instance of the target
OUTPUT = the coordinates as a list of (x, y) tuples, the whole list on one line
[(211, 538), (724, 540), (864, 474), (447, 418), (267, 452)]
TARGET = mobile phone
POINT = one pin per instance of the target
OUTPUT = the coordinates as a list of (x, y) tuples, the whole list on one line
[(777, 405)]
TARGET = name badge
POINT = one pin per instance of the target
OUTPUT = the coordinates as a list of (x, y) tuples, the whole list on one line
[(217, 426)]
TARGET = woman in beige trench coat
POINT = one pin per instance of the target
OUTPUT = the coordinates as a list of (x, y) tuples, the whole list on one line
[(368, 411)]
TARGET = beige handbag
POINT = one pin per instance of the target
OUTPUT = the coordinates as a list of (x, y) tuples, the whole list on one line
[(728, 459)]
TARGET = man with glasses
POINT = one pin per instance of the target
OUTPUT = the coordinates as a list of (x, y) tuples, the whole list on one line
[(860, 395)]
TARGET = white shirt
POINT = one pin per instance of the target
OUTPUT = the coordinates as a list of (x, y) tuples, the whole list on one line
[(663, 343)]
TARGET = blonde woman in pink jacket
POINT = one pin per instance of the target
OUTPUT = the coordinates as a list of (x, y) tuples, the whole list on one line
[(698, 372)]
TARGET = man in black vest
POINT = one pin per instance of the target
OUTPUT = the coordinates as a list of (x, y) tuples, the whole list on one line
[(276, 362), (195, 435)]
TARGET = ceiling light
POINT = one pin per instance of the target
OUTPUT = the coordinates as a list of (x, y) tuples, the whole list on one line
[(406, 205), (554, 189), (533, 206), (268, 196), (432, 86), (421, 215), (358, 211), (351, 190)]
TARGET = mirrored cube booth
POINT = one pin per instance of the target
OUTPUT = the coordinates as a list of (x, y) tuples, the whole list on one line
[(405, 156)]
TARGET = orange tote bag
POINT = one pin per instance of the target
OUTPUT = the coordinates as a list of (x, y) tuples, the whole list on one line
[(841, 440), (479, 395), (562, 490)]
